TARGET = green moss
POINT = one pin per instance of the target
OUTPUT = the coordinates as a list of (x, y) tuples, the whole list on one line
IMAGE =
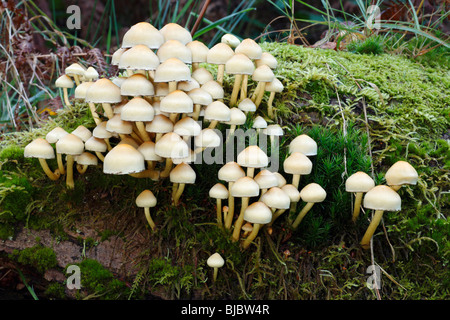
[(39, 257), (55, 290)]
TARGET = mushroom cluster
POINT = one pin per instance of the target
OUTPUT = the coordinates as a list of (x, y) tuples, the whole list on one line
[(161, 111)]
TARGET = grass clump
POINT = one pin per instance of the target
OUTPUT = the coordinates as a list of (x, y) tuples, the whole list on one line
[(371, 45)]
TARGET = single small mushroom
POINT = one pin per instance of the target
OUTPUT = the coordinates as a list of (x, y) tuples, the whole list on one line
[(297, 164), (146, 199), (175, 103), (82, 132), (243, 188), (137, 86), (172, 70), (253, 51), (85, 160), (96, 145), (214, 89), (123, 159), (104, 91), (273, 130), (173, 31), (76, 71), (267, 59), (219, 54), (237, 118), (208, 138), (199, 53), (215, 261), (401, 173), (219, 192), (240, 66), (263, 75), (273, 87), (230, 40), (259, 123), (311, 194), (65, 82), (304, 144), (139, 59), (181, 175), (259, 214), (359, 183), (159, 125), (142, 33), (72, 146), (147, 149), (139, 111), (202, 76), (230, 173), (294, 196), (42, 150), (170, 146), (252, 157), (247, 228), (186, 128), (277, 200), (121, 127), (52, 137), (266, 180), (247, 105), (188, 85), (200, 97), (380, 198), (217, 112), (174, 49)]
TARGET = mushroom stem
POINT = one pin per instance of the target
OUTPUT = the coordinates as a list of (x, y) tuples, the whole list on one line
[(230, 214), (108, 145), (195, 66), (52, 175), (158, 136), (296, 180), (276, 214), (108, 110), (172, 86), (252, 235), (81, 168), (69, 177), (255, 92), (395, 188), (371, 229), (260, 94), (250, 172), (178, 194), (270, 104), (66, 98), (100, 156), (244, 86), (148, 173), (302, 214), (173, 117), (167, 169), (240, 220), (356, 208), (216, 271), (220, 72), (77, 79), (197, 109), (235, 92), (149, 218), (61, 167), (94, 113), (141, 129), (219, 211), (213, 124)]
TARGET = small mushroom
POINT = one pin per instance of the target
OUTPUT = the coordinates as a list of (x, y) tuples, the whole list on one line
[(219, 54), (380, 198), (217, 112), (401, 173), (304, 144), (143, 33), (146, 199), (76, 71), (85, 160), (219, 192), (294, 196), (172, 70), (215, 261), (52, 137), (41, 149), (257, 213), (252, 157), (311, 194), (230, 40), (239, 65), (70, 145), (199, 53), (65, 83), (104, 91), (181, 175), (297, 164), (273, 87), (359, 182)]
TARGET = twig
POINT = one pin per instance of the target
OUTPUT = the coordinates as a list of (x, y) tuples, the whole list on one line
[(200, 17)]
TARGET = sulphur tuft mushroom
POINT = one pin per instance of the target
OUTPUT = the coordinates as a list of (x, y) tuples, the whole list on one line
[(297, 164), (252, 157), (401, 173), (65, 83), (311, 194), (72, 146), (181, 175), (219, 192), (146, 199), (259, 214), (358, 183), (380, 198), (215, 261), (42, 150)]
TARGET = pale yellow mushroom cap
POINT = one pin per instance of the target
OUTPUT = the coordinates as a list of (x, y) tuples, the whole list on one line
[(297, 163), (245, 187), (199, 51), (273, 130), (55, 134), (187, 127), (64, 81), (172, 69), (401, 173), (139, 57), (116, 56), (217, 110), (208, 138), (171, 145), (103, 91), (137, 109), (87, 159), (267, 59), (220, 53), (266, 179), (253, 156), (382, 198), (239, 64), (237, 117), (214, 89), (147, 148), (173, 31), (177, 102), (91, 74), (75, 69), (259, 123), (101, 132), (159, 124), (313, 192), (189, 85), (142, 33), (276, 198), (218, 191), (230, 40), (70, 144), (359, 182), (258, 212), (174, 49), (95, 144), (304, 144), (230, 172), (292, 192), (250, 48), (274, 86), (247, 105), (117, 125), (200, 96), (39, 148), (81, 90), (82, 132), (263, 73), (123, 159), (146, 199), (137, 85), (215, 261), (202, 75), (182, 173)]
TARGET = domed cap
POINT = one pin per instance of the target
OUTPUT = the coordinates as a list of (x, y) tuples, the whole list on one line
[(91, 74), (146, 199), (250, 48), (147, 148), (304, 144), (258, 212), (189, 85), (159, 124), (267, 59), (245, 187), (137, 109), (81, 90), (70, 144), (199, 51), (253, 157), (230, 172), (297, 163), (200, 96), (187, 127), (123, 159), (55, 134), (171, 145), (274, 86), (82, 132), (117, 125), (259, 123), (182, 173), (214, 89), (263, 73), (281, 179), (215, 261), (239, 64), (217, 110), (220, 53), (139, 57), (218, 191), (174, 49), (230, 40), (103, 91), (172, 69), (237, 117), (39, 148), (208, 138), (173, 31), (359, 182), (401, 173), (292, 192), (101, 132), (382, 198), (64, 81), (266, 179), (87, 159), (116, 56), (276, 198), (202, 75), (75, 69), (177, 102), (143, 33), (273, 130), (137, 85), (95, 144), (247, 105), (313, 192)]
